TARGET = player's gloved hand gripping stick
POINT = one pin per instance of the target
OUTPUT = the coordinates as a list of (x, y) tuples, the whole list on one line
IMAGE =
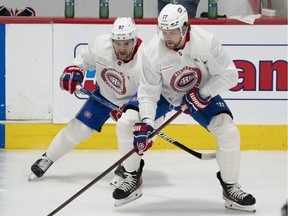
[(141, 133)]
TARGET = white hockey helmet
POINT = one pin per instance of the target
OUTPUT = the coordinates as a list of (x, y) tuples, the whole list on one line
[(124, 28), (172, 16)]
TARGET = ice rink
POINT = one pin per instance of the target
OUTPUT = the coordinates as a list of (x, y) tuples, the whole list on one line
[(175, 183)]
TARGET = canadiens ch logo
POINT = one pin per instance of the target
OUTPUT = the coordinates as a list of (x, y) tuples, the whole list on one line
[(185, 79), (114, 79), (87, 114)]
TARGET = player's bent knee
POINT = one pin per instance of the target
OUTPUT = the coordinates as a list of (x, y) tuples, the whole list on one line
[(221, 123), (78, 131), (226, 132), (127, 120)]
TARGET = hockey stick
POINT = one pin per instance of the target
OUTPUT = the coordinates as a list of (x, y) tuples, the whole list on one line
[(199, 155), (113, 166), (202, 156)]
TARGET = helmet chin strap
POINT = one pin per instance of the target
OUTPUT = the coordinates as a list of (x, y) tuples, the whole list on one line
[(183, 34)]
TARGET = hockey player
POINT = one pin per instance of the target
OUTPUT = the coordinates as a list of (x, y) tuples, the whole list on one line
[(186, 65), (117, 60)]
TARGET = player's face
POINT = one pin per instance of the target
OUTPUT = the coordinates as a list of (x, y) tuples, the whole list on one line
[(172, 38), (123, 48)]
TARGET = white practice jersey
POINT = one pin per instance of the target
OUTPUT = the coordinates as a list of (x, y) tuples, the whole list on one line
[(118, 80), (201, 63)]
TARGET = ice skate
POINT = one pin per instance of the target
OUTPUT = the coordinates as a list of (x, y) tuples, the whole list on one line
[(119, 177), (129, 190), (235, 198), (40, 167)]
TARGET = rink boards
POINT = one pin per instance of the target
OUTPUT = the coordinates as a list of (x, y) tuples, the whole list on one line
[(33, 108), (253, 137)]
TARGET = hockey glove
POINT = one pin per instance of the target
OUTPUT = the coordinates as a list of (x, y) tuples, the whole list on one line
[(116, 113), (194, 101), (141, 133), (71, 77)]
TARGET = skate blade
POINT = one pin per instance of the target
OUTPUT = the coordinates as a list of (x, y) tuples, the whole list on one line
[(234, 206), (135, 195), (31, 177), (116, 182)]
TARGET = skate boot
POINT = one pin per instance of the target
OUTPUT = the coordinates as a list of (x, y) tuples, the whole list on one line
[(130, 189), (235, 198), (40, 167), (119, 175)]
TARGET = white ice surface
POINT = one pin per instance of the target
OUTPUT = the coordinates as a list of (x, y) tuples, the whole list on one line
[(175, 183)]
